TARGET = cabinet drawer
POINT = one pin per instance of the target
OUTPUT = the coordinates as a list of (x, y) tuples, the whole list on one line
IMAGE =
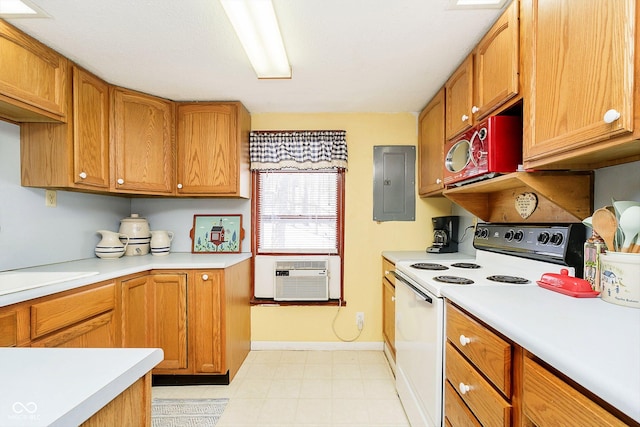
[(490, 353), (549, 401), (387, 268), (484, 401), (64, 311), (455, 411)]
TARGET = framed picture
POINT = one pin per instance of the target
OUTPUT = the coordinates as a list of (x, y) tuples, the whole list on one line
[(216, 233)]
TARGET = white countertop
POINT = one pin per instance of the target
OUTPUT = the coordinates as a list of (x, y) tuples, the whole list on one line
[(110, 268), (64, 386), (593, 342)]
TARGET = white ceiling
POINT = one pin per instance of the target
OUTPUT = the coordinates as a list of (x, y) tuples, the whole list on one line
[(346, 55)]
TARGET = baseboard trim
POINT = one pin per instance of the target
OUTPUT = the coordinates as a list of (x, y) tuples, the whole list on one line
[(326, 346)]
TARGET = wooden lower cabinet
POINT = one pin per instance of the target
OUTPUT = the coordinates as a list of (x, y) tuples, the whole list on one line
[(206, 318), (389, 306), (137, 312), (170, 318)]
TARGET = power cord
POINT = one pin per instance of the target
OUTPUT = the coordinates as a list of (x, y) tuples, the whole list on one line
[(333, 326), (465, 233)]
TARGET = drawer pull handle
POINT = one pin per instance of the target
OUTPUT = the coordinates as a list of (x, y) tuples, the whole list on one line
[(611, 116), (205, 277), (464, 388), (464, 340)]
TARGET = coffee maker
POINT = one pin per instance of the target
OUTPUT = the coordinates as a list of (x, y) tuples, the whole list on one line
[(445, 234)]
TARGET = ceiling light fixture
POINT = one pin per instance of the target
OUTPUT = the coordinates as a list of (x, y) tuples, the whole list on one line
[(255, 23), (20, 9)]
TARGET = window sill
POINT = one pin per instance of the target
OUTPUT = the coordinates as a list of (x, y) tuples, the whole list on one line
[(272, 303)]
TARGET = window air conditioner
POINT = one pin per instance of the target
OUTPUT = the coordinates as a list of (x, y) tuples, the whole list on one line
[(301, 280)]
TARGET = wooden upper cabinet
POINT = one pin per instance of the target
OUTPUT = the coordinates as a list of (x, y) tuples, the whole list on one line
[(497, 64), (33, 79), (213, 149), (142, 148), (90, 130), (459, 99), (489, 76), (431, 141), (581, 62), (72, 155)]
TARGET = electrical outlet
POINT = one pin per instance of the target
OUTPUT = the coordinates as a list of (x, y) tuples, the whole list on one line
[(50, 198), (360, 320)]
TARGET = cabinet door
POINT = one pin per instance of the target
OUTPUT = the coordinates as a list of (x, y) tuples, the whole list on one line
[(90, 130), (207, 149), (97, 332), (431, 141), (170, 295), (207, 333), (137, 312), (143, 153), (497, 64), (572, 83), (33, 79), (459, 97), (389, 315)]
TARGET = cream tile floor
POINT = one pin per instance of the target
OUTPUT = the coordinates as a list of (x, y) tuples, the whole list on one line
[(306, 388)]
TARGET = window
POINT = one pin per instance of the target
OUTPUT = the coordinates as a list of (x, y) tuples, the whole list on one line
[(299, 211)]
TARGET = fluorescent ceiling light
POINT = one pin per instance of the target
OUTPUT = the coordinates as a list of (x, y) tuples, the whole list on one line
[(20, 9), (257, 28), (476, 4)]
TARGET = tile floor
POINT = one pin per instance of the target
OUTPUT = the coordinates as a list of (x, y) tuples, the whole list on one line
[(306, 388)]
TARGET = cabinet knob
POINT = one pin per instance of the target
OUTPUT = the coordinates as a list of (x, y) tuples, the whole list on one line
[(464, 340), (82, 175), (464, 117), (438, 181), (205, 277), (393, 299), (464, 388), (474, 109), (179, 186), (611, 116), (120, 181)]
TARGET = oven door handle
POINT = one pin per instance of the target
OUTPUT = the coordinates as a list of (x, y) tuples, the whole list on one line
[(421, 294)]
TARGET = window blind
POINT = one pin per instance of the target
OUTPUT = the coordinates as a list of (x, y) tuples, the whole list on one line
[(298, 212)]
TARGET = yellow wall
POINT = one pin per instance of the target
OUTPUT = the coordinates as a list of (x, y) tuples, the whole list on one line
[(364, 238)]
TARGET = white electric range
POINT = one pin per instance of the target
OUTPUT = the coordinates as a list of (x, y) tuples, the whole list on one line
[(506, 255)]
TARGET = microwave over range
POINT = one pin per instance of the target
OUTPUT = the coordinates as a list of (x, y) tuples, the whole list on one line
[(492, 147)]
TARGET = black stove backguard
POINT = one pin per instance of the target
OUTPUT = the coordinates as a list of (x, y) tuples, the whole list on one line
[(561, 244), (445, 234)]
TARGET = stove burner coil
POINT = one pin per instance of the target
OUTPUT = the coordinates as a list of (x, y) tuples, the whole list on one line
[(508, 279), (465, 265), (429, 266), (453, 279)]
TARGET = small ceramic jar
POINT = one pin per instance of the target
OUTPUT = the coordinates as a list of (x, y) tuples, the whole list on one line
[(161, 242)]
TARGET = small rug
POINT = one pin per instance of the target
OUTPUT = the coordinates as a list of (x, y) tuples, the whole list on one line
[(186, 412)]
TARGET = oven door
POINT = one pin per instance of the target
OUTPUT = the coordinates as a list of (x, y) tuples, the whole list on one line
[(419, 353)]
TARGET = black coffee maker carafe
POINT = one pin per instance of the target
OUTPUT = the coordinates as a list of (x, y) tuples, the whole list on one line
[(445, 234)]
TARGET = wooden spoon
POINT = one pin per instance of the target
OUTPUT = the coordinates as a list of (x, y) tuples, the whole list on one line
[(605, 224)]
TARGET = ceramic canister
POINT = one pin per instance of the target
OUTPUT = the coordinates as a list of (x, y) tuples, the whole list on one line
[(620, 273), (137, 229)]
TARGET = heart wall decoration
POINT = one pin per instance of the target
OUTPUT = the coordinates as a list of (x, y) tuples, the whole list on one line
[(526, 204)]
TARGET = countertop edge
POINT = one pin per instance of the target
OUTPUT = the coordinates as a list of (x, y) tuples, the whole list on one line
[(112, 268)]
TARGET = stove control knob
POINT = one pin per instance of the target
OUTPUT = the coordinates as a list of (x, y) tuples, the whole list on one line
[(543, 237), (557, 239), (519, 236), (509, 235), (485, 233)]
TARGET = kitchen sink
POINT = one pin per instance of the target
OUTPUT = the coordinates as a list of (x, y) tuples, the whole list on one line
[(14, 281)]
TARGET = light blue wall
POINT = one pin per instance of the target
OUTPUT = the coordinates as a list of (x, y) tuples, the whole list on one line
[(33, 234)]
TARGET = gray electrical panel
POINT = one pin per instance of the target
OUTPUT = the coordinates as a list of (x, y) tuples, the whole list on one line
[(394, 196)]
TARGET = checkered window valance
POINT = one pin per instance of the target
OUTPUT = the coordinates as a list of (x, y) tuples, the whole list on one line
[(321, 149)]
